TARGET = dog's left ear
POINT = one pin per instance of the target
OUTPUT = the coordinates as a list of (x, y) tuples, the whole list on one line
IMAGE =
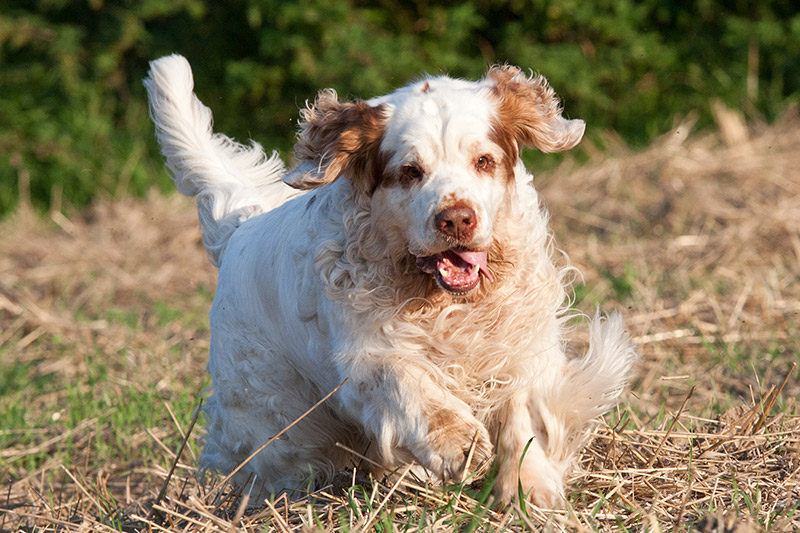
[(337, 138), (530, 112)]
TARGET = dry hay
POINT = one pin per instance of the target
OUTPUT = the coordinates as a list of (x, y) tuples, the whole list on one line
[(696, 239), (62, 279)]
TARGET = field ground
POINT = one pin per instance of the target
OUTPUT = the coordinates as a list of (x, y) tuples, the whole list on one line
[(104, 334)]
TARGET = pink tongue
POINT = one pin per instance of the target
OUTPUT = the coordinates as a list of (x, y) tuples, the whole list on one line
[(474, 258)]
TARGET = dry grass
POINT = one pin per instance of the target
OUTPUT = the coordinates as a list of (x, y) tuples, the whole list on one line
[(696, 239)]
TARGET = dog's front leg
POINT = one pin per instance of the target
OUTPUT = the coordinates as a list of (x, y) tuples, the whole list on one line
[(405, 411), (523, 454)]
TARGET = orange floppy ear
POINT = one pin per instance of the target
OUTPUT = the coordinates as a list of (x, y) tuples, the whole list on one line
[(530, 112), (337, 138)]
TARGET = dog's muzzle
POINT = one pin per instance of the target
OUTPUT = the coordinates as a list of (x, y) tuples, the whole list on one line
[(457, 271)]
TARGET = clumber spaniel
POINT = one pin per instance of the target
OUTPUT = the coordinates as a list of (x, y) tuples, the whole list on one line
[(418, 269)]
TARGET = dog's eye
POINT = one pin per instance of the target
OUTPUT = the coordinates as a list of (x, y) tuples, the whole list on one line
[(412, 172), (484, 162)]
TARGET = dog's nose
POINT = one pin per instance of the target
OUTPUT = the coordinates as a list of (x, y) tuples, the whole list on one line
[(457, 222)]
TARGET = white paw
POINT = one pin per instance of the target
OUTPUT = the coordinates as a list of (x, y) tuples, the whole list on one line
[(542, 483)]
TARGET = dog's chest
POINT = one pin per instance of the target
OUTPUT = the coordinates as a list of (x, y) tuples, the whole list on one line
[(479, 339)]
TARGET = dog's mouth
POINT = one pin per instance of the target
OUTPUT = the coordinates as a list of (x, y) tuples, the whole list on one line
[(457, 271)]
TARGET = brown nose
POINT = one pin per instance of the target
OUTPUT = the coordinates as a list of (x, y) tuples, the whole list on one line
[(457, 222)]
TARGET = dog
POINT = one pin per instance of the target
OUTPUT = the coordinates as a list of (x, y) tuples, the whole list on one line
[(405, 259)]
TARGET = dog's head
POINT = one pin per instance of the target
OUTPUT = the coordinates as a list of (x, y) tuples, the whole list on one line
[(437, 158)]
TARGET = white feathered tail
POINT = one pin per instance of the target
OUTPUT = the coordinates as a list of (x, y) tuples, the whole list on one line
[(232, 182), (591, 385)]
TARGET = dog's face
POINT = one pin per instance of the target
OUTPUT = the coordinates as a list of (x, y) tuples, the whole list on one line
[(437, 159), (445, 179)]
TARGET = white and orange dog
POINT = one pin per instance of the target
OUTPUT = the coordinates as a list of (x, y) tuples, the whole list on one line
[(417, 268)]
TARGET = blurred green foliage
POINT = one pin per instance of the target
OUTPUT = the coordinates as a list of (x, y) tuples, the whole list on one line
[(73, 116)]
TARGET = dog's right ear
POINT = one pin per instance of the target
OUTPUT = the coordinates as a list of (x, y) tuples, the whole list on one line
[(337, 138)]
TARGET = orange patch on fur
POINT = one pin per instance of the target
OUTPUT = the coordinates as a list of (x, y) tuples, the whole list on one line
[(529, 114), (342, 138)]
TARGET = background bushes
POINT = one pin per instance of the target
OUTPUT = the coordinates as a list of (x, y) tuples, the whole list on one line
[(73, 117)]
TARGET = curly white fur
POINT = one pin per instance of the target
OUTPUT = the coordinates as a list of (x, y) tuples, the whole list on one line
[(232, 182), (335, 283)]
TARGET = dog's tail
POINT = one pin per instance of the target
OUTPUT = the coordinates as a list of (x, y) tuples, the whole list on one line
[(591, 386), (232, 182)]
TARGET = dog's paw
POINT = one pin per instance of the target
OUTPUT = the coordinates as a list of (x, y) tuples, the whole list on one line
[(545, 489), (451, 440), (541, 482)]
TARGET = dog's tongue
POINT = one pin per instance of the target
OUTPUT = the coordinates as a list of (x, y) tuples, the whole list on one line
[(473, 258), (456, 270)]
